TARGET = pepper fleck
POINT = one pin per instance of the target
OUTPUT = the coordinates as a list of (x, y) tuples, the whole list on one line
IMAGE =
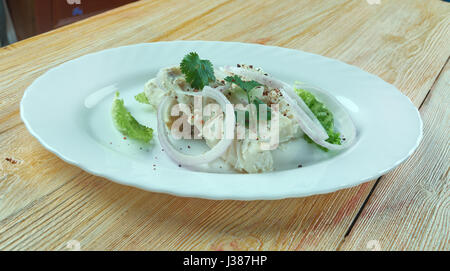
[(12, 161)]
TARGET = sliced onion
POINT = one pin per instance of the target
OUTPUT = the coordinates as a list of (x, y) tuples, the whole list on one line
[(348, 129), (307, 120), (193, 160), (346, 126)]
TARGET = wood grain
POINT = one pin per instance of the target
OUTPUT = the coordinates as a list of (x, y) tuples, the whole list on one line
[(410, 208), (45, 202)]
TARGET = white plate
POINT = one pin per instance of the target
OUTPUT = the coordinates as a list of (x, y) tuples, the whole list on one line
[(55, 111)]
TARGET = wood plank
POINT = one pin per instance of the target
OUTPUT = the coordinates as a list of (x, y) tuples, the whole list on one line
[(58, 203), (410, 207), (28, 171), (103, 215)]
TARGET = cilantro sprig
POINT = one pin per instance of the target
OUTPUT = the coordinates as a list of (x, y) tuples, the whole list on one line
[(248, 86), (198, 72), (257, 102)]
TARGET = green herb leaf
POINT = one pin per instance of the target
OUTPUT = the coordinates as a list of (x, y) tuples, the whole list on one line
[(246, 116), (324, 116), (198, 72), (127, 124), (142, 98), (247, 86), (257, 102)]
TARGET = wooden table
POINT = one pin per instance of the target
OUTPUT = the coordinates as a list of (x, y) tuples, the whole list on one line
[(45, 203)]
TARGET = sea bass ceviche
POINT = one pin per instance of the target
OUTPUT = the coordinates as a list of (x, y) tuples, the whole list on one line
[(241, 112)]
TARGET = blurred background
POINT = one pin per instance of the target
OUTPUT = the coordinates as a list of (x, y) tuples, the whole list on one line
[(21, 19)]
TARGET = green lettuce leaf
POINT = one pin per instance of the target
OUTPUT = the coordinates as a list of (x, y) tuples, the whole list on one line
[(127, 124), (324, 116), (142, 98)]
